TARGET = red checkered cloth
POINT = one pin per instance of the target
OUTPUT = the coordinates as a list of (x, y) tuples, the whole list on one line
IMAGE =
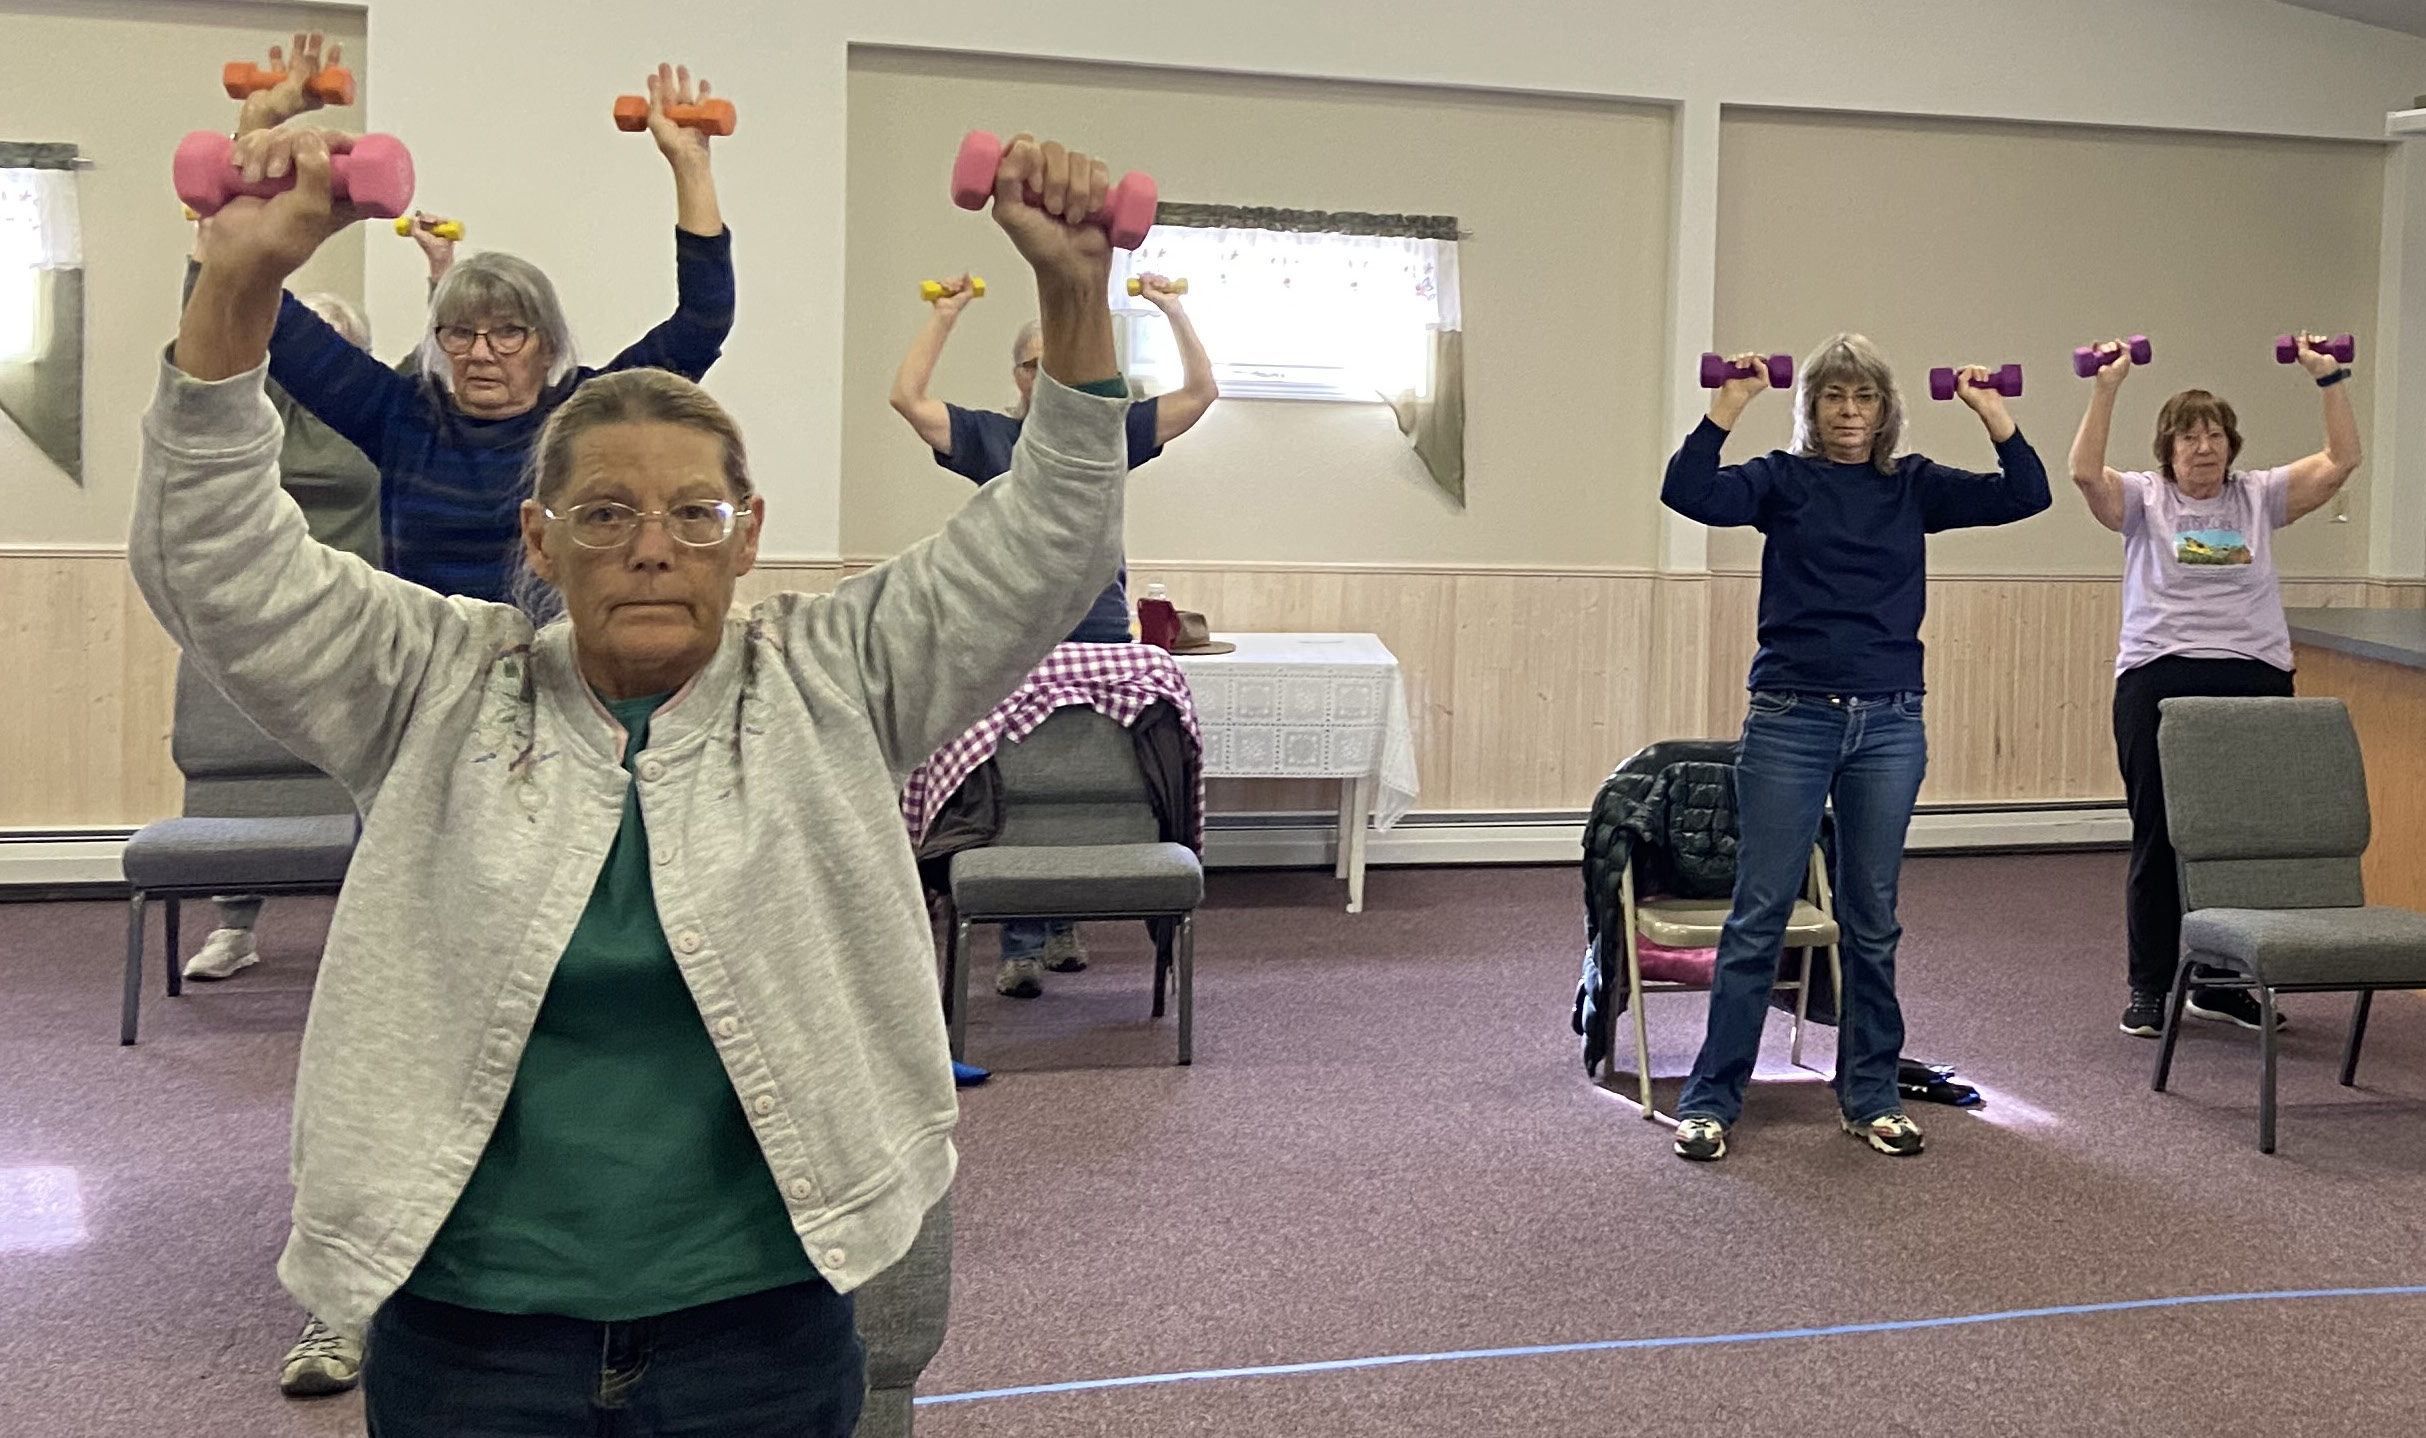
[(1116, 680)]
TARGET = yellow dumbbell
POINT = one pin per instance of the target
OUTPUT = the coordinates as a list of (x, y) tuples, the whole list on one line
[(444, 229), (932, 290), (1177, 287), (189, 213)]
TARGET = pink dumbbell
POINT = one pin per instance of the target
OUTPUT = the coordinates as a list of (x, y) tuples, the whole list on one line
[(2341, 347), (2006, 381), (375, 173), (1717, 369), (2089, 359), (1127, 214)]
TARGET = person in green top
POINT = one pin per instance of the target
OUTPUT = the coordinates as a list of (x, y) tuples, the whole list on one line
[(624, 1067)]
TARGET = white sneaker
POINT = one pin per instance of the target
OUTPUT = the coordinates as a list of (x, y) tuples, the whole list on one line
[(322, 1361), (222, 954), (1019, 979)]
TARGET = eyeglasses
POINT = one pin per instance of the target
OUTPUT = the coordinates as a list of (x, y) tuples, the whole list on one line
[(503, 340), (606, 524)]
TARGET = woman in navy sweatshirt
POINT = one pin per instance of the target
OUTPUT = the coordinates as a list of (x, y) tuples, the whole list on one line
[(1835, 712), (496, 360)]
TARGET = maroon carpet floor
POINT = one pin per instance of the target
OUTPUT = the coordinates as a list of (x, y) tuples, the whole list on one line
[(1387, 1146)]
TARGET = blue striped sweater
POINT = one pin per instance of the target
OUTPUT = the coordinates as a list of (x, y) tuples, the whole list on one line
[(451, 486)]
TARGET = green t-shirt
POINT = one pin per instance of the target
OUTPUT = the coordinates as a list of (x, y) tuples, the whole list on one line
[(623, 1180)]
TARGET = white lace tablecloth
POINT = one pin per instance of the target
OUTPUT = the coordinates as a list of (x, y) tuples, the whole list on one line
[(1307, 706)]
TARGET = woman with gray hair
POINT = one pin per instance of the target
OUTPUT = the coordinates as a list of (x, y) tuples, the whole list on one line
[(497, 359), (1835, 710), (624, 1066)]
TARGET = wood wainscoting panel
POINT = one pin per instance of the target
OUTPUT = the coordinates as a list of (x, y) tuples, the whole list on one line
[(85, 713), (2387, 704)]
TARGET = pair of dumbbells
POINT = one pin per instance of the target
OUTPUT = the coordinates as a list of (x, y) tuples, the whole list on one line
[(333, 85), (708, 117)]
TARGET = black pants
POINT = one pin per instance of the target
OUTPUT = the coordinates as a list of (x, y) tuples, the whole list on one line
[(2153, 894)]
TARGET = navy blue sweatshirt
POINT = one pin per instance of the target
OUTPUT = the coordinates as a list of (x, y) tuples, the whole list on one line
[(450, 486), (1844, 574)]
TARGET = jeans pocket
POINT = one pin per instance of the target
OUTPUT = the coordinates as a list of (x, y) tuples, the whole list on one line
[(1909, 705), (1768, 703)]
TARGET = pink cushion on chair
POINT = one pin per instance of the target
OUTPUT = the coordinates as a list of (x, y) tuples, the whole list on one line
[(1662, 964)]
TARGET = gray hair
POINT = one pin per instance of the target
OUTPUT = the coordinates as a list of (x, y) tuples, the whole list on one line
[(1028, 334), (1849, 359), (493, 286), (342, 314)]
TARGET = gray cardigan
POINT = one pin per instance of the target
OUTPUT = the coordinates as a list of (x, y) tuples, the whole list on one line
[(488, 777)]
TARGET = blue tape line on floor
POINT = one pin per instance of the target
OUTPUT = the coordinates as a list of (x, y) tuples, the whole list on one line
[(1609, 1345)]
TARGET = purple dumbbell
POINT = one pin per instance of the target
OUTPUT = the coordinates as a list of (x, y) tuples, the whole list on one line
[(2089, 359), (1718, 369), (2007, 382), (2341, 347)]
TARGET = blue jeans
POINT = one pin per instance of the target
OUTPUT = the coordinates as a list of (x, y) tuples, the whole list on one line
[(786, 1363), (1800, 750), (1025, 938)]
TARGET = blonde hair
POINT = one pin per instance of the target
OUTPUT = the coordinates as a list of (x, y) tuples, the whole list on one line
[(1849, 359), (632, 396)]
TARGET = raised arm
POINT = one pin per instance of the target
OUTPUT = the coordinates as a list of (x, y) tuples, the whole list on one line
[(690, 340), (2016, 489), (2315, 480), (931, 640), (2101, 487), (323, 652), (1696, 486), (1177, 412), (929, 416)]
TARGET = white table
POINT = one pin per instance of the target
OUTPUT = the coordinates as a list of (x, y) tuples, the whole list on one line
[(1312, 706)]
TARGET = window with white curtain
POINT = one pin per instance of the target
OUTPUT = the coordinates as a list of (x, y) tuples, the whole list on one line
[(38, 233), (1288, 314)]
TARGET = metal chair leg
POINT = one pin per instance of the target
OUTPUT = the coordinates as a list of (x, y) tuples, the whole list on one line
[(130, 1006), (2358, 1035), (1162, 963), (1802, 1010), (2173, 1024), (176, 971), (959, 966), (1187, 989), (1642, 1043), (2266, 1097)]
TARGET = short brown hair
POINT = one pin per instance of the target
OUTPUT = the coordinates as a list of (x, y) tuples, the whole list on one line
[(2187, 411), (635, 396)]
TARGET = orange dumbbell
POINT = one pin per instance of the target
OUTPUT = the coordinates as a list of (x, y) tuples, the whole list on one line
[(334, 85), (709, 117)]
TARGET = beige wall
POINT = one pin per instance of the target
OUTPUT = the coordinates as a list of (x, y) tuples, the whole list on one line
[(1563, 199), (125, 82), (1953, 243)]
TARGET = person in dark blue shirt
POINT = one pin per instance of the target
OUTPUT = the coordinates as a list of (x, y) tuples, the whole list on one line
[(1835, 710), (497, 358), (976, 444)]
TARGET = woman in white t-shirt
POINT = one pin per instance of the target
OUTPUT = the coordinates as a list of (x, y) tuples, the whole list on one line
[(2202, 614)]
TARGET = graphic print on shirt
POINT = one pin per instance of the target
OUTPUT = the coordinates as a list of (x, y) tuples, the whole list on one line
[(2212, 546)]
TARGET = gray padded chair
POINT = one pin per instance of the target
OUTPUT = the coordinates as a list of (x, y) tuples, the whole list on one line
[(2266, 800), (257, 820), (1079, 841), (902, 1315)]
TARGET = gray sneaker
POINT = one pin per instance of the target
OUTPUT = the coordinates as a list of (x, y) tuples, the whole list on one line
[(1064, 953), (1019, 979), (323, 1361), (1704, 1140), (222, 954)]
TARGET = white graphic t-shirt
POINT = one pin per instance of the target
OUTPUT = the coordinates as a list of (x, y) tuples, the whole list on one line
[(2198, 574)]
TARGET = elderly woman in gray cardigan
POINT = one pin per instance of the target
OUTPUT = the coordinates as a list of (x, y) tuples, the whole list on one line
[(624, 1065)]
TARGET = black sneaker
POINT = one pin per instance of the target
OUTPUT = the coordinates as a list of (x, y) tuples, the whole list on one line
[(1892, 1134), (2145, 1016), (1704, 1140), (2232, 1006)]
